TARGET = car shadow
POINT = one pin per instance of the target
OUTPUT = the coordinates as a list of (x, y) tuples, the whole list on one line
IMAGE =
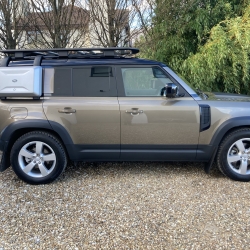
[(116, 169)]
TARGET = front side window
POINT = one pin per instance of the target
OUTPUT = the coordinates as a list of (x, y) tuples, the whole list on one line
[(144, 81)]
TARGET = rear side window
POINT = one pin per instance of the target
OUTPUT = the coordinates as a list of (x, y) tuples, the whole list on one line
[(96, 81)]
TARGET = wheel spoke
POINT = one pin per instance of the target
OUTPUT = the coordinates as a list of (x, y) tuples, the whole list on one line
[(240, 145), (44, 171), (49, 157), (29, 167), (243, 167), (26, 153), (39, 147), (233, 158)]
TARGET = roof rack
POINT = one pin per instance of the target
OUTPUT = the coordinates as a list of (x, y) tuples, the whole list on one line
[(59, 53)]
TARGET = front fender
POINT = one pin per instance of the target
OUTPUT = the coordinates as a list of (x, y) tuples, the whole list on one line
[(228, 125)]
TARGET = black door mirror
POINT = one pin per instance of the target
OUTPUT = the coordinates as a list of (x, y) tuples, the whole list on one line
[(170, 90)]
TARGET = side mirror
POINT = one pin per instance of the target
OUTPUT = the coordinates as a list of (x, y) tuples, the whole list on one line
[(170, 90)]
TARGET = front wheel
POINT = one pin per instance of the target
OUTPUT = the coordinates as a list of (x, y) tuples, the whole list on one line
[(233, 158), (38, 158)]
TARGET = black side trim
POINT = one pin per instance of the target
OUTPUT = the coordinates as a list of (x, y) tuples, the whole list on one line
[(130, 152), (226, 126), (205, 117), (100, 152), (153, 147)]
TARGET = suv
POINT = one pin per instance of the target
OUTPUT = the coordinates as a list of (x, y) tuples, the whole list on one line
[(103, 104)]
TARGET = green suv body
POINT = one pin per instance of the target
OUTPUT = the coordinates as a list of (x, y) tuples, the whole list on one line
[(99, 105)]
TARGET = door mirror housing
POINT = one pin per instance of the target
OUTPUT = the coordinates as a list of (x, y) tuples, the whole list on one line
[(170, 90)]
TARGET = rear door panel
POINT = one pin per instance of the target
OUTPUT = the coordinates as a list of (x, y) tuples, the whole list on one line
[(94, 123)]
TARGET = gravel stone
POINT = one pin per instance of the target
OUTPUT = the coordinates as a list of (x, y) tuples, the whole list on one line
[(126, 206)]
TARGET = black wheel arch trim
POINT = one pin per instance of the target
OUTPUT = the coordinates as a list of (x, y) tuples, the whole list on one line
[(228, 125), (36, 124), (29, 124)]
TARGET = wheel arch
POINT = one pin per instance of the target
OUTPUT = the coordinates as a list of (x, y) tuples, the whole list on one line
[(222, 132), (228, 127), (13, 131)]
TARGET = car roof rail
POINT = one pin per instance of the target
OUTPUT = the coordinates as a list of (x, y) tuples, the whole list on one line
[(63, 53)]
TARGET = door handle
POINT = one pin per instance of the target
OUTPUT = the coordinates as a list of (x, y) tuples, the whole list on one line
[(134, 111), (67, 110)]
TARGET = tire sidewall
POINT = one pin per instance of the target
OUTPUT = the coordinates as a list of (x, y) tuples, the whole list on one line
[(53, 143), (224, 151)]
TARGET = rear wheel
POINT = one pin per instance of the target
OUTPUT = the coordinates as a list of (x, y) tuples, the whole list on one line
[(233, 156), (38, 158)]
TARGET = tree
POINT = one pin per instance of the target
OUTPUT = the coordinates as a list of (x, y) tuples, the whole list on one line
[(223, 63), (12, 25), (57, 24), (180, 27), (110, 22)]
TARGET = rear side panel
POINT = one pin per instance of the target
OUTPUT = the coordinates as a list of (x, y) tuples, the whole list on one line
[(13, 110), (17, 112)]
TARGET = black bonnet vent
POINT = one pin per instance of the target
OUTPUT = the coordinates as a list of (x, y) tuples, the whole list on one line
[(205, 117)]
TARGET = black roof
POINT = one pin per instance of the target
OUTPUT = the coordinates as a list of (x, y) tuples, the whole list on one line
[(86, 62)]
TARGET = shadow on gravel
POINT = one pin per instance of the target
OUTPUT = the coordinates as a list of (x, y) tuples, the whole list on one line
[(116, 169)]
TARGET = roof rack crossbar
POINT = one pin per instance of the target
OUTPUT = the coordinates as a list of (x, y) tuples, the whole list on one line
[(70, 52), (38, 60)]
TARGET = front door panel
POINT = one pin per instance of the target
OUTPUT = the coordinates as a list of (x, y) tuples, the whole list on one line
[(154, 127), (162, 129)]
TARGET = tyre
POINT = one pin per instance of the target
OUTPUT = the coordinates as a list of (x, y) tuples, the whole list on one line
[(233, 158), (38, 158)]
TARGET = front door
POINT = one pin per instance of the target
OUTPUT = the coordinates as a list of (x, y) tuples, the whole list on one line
[(154, 127)]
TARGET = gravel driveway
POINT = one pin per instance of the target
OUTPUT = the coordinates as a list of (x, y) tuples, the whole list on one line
[(126, 206)]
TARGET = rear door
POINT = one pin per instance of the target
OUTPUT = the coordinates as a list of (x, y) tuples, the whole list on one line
[(84, 101), (155, 127)]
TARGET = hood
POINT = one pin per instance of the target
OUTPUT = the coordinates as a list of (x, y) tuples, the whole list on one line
[(217, 96)]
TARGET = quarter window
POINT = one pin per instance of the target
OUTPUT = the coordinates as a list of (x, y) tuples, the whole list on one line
[(96, 81)]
